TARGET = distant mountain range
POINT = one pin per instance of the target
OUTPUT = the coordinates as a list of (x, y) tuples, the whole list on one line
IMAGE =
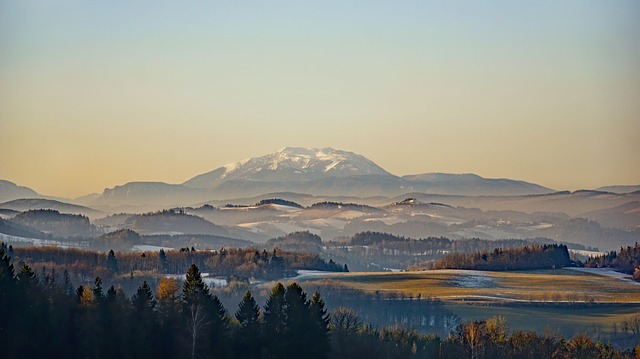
[(10, 191), (316, 172), (22, 205), (324, 171)]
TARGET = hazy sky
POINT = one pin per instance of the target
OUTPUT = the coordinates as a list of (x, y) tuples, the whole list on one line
[(99, 93)]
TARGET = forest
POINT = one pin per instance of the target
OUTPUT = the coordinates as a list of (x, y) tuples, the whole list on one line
[(47, 318), (364, 249), (83, 265), (626, 261), (523, 258)]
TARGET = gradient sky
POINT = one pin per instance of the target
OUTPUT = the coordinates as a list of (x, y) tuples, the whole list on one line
[(95, 94)]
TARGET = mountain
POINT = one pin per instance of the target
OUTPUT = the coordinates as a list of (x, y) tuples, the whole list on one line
[(23, 205), (10, 191), (620, 189), (626, 216), (150, 195), (316, 171), (291, 164), (333, 172), (471, 185)]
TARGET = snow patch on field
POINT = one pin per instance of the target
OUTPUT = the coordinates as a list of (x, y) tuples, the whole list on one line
[(290, 228), (254, 227), (37, 242), (586, 253), (474, 280), (306, 273), (349, 214), (209, 281), (328, 222), (607, 272), (387, 220), (149, 248)]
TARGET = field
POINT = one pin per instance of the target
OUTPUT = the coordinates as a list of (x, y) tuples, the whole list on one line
[(569, 301), (541, 286)]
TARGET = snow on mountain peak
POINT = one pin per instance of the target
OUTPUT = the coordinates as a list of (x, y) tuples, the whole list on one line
[(292, 163)]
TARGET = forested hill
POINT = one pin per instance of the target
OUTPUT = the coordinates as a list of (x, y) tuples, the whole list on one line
[(56, 223), (528, 257), (626, 261)]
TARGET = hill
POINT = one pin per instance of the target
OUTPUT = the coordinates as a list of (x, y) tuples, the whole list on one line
[(10, 191), (24, 204), (626, 216), (620, 189), (56, 223)]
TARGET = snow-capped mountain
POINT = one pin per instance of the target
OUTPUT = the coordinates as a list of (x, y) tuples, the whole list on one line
[(291, 164), (316, 171)]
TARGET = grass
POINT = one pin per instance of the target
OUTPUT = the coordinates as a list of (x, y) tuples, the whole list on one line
[(537, 286), (566, 301), (596, 320)]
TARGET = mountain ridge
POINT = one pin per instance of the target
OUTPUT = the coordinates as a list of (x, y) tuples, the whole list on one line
[(317, 171), (290, 164)]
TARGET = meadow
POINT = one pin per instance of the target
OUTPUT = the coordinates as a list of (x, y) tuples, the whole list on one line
[(567, 301)]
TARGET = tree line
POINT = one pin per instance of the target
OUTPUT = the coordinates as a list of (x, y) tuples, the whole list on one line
[(391, 251), (239, 262), (522, 258), (625, 261), (49, 319)]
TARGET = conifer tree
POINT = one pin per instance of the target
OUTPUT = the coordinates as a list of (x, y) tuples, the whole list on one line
[(299, 337), (164, 263), (319, 327), (218, 330), (143, 299), (275, 322), (144, 316), (195, 295), (194, 290), (97, 289), (248, 339), (67, 286), (7, 296), (112, 262)]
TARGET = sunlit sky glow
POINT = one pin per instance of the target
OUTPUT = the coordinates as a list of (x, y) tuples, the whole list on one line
[(95, 94)]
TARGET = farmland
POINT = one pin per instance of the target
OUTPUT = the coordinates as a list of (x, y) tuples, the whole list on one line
[(540, 286), (570, 301)]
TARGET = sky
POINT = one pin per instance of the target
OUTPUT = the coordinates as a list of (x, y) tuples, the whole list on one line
[(94, 94)]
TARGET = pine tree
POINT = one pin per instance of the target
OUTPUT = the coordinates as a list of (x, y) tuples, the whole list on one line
[(300, 339), (112, 262), (194, 290), (275, 322), (195, 295), (7, 297), (146, 324), (97, 290), (164, 263), (248, 339), (67, 286), (143, 299), (319, 327), (248, 313), (218, 330)]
